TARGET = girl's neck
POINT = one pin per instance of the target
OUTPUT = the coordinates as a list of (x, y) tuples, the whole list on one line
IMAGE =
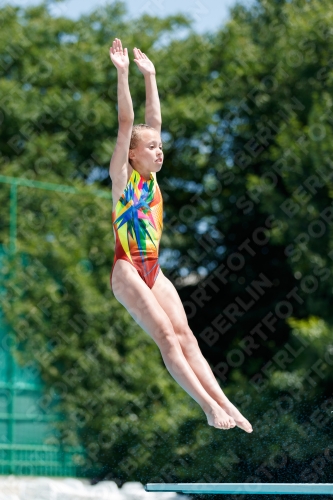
[(146, 175)]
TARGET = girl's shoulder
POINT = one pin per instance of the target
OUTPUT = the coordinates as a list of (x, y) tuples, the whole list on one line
[(118, 189)]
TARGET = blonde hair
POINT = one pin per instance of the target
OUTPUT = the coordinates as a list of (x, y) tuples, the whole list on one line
[(135, 137)]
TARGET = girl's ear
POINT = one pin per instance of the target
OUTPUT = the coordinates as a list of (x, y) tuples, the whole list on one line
[(131, 154)]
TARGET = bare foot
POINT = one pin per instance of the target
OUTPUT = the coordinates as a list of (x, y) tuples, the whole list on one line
[(241, 421), (218, 418)]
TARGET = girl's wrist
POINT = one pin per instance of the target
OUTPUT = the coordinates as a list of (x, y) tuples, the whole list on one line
[(151, 73), (123, 71)]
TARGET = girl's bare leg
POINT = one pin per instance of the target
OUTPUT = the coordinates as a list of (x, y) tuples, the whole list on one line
[(131, 291), (203, 371), (168, 297)]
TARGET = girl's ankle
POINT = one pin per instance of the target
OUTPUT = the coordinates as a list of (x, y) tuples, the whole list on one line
[(209, 407)]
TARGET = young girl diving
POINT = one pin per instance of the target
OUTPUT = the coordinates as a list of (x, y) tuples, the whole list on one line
[(136, 279)]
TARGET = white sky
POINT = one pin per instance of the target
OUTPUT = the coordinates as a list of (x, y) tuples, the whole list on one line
[(207, 14)]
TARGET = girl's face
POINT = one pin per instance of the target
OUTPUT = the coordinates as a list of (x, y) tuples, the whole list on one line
[(148, 154)]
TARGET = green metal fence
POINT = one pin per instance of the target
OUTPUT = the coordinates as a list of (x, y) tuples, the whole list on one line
[(29, 444), (27, 435), (15, 182)]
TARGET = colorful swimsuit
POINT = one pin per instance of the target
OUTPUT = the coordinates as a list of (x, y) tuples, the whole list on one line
[(137, 226)]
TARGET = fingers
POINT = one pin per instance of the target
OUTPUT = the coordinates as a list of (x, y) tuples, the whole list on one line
[(143, 55), (138, 54), (114, 45), (117, 47)]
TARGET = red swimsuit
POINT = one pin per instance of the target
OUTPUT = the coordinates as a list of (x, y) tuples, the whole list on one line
[(137, 226)]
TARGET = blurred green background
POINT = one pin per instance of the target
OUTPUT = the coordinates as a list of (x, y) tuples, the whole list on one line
[(247, 187)]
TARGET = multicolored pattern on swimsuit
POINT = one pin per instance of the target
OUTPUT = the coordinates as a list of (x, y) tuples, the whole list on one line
[(137, 223)]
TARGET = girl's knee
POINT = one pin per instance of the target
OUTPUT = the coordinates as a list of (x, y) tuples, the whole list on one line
[(184, 331), (166, 337), (186, 338)]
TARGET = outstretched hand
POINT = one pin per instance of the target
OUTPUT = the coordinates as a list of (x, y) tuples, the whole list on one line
[(119, 56), (143, 63)]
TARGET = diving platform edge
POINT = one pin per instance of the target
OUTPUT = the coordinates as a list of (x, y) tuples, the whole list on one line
[(245, 488)]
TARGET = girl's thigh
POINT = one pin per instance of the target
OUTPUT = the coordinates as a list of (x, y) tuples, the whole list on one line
[(133, 293), (168, 298)]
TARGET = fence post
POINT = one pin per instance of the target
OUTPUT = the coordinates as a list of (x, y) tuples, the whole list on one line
[(11, 382), (13, 219)]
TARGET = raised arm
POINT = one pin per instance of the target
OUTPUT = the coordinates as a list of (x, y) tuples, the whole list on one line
[(119, 57), (119, 160), (153, 107)]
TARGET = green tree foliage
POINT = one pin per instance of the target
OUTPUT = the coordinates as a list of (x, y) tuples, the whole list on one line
[(59, 124), (267, 195), (248, 192)]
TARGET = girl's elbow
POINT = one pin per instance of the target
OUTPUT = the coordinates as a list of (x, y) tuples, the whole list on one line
[(126, 118)]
